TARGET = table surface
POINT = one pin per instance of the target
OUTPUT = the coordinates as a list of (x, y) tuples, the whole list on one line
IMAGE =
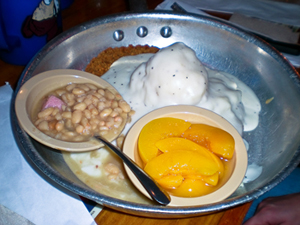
[(84, 10)]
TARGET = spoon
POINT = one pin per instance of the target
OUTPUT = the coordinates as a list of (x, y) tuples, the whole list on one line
[(157, 193)]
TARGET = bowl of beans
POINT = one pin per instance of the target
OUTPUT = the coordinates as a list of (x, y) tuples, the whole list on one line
[(64, 109), (196, 155)]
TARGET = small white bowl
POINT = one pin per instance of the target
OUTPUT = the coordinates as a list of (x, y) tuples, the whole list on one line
[(191, 114), (40, 85)]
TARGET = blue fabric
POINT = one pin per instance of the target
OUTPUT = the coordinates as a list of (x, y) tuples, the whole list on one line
[(289, 185)]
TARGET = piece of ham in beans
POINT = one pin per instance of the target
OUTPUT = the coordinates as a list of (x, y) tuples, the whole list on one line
[(78, 111)]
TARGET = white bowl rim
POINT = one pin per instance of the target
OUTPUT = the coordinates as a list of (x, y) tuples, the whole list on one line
[(30, 128), (241, 154)]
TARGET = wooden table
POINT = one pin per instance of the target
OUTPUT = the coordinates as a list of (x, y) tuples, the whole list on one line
[(84, 10)]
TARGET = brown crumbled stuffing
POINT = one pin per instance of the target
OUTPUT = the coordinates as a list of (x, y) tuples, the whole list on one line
[(101, 63)]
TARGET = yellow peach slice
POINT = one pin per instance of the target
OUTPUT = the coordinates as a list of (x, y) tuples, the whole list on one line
[(156, 130), (191, 188), (171, 181), (181, 163), (220, 165), (177, 143), (215, 139), (211, 180)]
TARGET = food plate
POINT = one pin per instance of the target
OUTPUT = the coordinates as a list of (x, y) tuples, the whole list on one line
[(273, 145)]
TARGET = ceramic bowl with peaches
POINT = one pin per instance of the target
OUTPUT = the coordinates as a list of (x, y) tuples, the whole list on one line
[(197, 156)]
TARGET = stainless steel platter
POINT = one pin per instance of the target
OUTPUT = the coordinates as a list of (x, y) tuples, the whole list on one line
[(274, 144)]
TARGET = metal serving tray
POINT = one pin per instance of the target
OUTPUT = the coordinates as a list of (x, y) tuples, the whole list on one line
[(274, 144)]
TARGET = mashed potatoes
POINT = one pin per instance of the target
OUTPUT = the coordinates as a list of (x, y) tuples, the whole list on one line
[(175, 76), (172, 76)]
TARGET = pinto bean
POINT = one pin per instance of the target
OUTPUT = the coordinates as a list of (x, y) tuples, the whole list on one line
[(45, 112), (101, 106), (78, 91), (36, 123), (87, 101), (114, 104), (102, 99), (91, 86), (79, 129), (94, 121), (94, 112), (70, 87), (76, 116), (110, 122), (70, 134), (118, 97), (114, 113), (70, 96), (81, 99), (66, 115), (107, 104), (52, 124), (84, 87), (71, 102), (95, 100), (101, 91), (131, 113), (118, 121), (97, 95), (87, 113), (55, 111), (80, 106), (109, 95), (105, 112), (91, 106), (103, 128), (120, 141), (79, 138), (60, 92), (112, 168), (124, 106), (59, 125), (84, 122), (43, 125), (58, 116)]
